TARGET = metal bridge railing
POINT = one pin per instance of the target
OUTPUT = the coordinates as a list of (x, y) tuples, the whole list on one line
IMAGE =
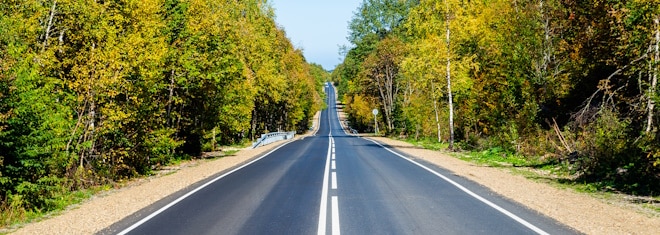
[(272, 137)]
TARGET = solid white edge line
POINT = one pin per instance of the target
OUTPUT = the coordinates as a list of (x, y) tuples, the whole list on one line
[(476, 196), (335, 215), (323, 208), (334, 180), (155, 213), (340, 123)]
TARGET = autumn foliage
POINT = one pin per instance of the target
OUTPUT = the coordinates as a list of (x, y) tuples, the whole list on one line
[(98, 91), (572, 83)]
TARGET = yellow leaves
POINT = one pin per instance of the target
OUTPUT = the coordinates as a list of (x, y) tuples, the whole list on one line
[(113, 116), (360, 107)]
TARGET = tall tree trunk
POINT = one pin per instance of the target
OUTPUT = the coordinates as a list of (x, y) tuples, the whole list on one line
[(91, 112), (654, 78), (451, 105), (92, 124), (543, 67), (407, 93), (384, 94), (49, 25), (254, 123), (213, 142), (435, 109), (169, 100)]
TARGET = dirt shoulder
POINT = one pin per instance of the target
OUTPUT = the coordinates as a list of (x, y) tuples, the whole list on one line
[(577, 210)]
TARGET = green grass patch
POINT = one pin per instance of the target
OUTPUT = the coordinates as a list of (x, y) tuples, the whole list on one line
[(231, 152), (13, 215), (428, 143), (496, 157)]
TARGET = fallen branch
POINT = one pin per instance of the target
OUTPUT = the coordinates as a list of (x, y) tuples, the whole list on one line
[(561, 137)]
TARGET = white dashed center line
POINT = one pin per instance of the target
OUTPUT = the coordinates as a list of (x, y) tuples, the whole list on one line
[(334, 180), (335, 215), (334, 204)]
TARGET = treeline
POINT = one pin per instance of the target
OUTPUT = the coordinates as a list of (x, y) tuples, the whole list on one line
[(570, 82), (97, 91)]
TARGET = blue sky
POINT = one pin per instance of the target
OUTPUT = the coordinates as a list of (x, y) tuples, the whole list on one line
[(318, 27)]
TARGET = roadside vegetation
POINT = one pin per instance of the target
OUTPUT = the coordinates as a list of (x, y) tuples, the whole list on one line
[(97, 92), (557, 174), (567, 87)]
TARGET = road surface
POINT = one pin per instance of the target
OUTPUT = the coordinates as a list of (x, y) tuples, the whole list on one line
[(333, 183)]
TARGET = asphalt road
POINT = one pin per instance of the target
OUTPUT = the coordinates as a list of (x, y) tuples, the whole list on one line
[(334, 183)]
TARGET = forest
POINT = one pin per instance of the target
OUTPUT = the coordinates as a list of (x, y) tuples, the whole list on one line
[(556, 82), (95, 92)]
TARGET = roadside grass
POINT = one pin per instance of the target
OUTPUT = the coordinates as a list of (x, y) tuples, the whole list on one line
[(13, 215), (552, 172), (497, 157), (231, 152), (427, 143)]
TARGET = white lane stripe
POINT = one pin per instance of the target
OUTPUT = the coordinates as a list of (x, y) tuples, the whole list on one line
[(334, 180), (155, 213), (486, 201), (323, 210), (334, 166), (335, 215), (333, 156)]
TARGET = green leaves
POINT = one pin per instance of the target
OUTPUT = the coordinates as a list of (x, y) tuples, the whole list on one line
[(112, 89), (514, 66)]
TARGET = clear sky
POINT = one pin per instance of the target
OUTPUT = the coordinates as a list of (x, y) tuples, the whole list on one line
[(318, 27)]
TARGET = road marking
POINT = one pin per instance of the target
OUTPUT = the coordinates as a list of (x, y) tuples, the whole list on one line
[(334, 166), (335, 215), (333, 156), (474, 195), (323, 210), (334, 180), (155, 213)]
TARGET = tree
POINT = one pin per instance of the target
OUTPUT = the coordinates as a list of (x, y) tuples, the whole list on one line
[(449, 94), (382, 71), (92, 92)]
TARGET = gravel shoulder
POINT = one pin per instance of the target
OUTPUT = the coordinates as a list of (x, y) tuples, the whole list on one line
[(580, 211)]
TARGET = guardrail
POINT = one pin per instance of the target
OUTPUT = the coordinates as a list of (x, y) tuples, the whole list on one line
[(348, 128), (272, 137)]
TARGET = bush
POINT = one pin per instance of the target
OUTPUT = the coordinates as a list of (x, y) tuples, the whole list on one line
[(603, 145), (610, 154)]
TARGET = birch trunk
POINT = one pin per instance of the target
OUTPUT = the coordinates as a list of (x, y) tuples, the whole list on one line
[(169, 99), (49, 26), (435, 109), (451, 105), (654, 78)]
